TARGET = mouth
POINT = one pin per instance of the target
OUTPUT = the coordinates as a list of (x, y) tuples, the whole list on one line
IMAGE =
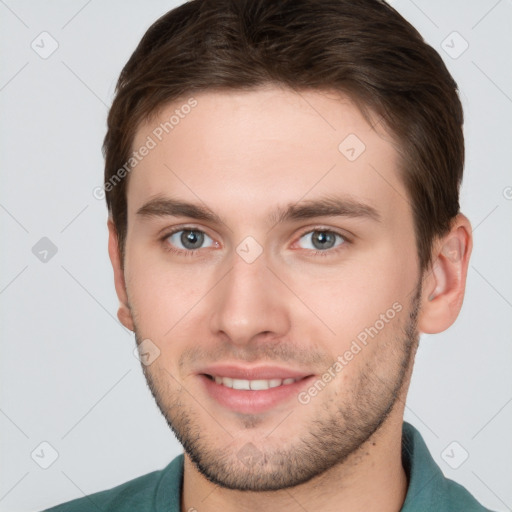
[(253, 395)]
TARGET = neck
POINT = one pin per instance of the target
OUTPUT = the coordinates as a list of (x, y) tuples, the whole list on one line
[(372, 478)]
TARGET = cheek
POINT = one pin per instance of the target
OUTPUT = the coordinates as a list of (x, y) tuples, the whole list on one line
[(350, 301), (160, 293)]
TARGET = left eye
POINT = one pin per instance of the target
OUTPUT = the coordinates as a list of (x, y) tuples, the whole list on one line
[(190, 239), (322, 239)]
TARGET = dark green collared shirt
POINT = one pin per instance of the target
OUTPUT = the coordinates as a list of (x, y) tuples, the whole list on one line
[(160, 491)]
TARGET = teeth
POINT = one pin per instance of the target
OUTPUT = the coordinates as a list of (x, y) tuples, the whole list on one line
[(256, 385), (241, 384)]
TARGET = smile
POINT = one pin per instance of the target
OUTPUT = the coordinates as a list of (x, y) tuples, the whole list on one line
[(253, 396)]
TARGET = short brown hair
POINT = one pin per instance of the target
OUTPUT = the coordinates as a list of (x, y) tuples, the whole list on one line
[(362, 48)]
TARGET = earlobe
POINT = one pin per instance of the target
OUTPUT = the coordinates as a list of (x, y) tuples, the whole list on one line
[(124, 313), (445, 282)]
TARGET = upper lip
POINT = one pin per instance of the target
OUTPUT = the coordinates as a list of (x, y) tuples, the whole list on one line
[(253, 372)]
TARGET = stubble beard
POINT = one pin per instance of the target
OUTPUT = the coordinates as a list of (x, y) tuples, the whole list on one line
[(338, 427)]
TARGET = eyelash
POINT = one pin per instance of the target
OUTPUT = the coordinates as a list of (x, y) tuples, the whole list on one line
[(328, 252)]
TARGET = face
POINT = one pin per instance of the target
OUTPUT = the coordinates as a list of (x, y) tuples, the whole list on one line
[(272, 276)]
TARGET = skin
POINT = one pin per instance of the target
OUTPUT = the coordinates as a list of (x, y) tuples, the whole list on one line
[(242, 154)]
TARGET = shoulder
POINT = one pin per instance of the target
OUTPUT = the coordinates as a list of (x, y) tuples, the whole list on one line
[(139, 494), (138, 491), (458, 497), (429, 489)]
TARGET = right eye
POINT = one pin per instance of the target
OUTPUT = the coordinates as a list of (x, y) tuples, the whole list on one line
[(186, 240)]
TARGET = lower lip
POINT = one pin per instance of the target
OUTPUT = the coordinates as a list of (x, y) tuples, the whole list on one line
[(252, 401)]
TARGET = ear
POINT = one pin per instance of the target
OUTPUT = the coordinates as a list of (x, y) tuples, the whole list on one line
[(444, 283), (123, 313)]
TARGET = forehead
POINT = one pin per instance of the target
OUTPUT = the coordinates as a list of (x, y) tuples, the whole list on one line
[(263, 147)]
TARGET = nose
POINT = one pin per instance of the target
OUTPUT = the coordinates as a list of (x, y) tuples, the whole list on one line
[(250, 301)]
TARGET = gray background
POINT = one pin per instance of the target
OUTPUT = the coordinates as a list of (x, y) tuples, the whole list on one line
[(69, 376)]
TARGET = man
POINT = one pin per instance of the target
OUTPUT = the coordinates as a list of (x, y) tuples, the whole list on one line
[(282, 180)]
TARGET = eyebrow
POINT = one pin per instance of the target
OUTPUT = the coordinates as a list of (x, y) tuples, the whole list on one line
[(329, 206)]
